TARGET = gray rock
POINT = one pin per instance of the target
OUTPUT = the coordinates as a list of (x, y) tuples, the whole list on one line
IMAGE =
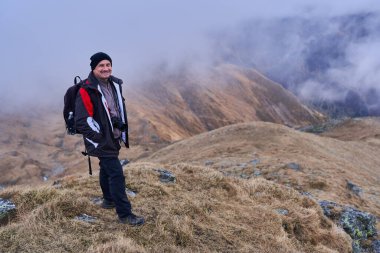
[(327, 207), (166, 176), (6, 207), (226, 164), (245, 176), (361, 226), (293, 166), (242, 165), (308, 194), (257, 173), (97, 200), (209, 163), (255, 162), (57, 184), (86, 218), (124, 162), (354, 188), (376, 246), (282, 211), (130, 193)]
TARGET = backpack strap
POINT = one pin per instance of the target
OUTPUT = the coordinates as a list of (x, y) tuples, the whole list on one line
[(75, 80)]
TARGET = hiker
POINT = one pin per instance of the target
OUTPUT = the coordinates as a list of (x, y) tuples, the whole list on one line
[(101, 118)]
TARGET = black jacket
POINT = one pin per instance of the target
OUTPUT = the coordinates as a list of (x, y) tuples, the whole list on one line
[(93, 120)]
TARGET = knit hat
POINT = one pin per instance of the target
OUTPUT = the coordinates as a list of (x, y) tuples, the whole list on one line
[(98, 57)]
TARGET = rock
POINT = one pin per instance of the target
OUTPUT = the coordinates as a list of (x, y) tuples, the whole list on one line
[(130, 193), (86, 218), (376, 246), (328, 207), (309, 195), (257, 173), (242, 165), (45, 178), (354, 188), (293, 166), (57, 184), (282, 211), (97, 200), (245, 176), (6, 207), (166, 176), (124, 162), (255, 162), (226, 164), (209, 163), (361, 226)]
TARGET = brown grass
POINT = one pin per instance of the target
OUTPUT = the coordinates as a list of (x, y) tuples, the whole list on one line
[(326, 163), (203, 211)]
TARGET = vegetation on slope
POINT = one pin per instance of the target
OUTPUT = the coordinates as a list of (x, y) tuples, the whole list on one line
[(203, 211)]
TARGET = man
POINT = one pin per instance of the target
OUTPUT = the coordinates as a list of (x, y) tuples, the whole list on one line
[(101, 117)]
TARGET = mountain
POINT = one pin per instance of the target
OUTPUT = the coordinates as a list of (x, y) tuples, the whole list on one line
[(180, 104), (327, 61)]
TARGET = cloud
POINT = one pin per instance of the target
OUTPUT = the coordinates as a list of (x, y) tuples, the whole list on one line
[(46, 43), (318, 57)]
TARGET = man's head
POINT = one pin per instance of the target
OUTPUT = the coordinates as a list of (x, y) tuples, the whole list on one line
[(101, 65)]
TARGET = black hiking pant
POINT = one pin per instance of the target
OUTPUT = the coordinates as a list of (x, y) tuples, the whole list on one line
[(112, 182)]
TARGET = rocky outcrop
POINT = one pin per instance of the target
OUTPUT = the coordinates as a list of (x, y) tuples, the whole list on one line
[(6, 208), (361, 226), (166, 176)]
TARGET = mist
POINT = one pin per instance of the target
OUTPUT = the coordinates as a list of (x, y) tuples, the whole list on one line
[(320, 58), (46, 43)]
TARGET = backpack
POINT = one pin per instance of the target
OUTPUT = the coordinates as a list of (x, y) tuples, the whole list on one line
[(69, 112), (69, 106)]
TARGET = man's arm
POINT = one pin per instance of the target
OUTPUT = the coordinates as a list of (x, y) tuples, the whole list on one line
[(84, 112)]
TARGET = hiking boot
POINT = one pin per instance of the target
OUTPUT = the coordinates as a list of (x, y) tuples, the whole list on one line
[(107, 204), (132, 220)]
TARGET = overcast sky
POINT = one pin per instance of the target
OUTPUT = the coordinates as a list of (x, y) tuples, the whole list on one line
[(45, 43)]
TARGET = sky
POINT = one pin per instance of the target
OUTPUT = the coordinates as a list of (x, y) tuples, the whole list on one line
[(45, 43)]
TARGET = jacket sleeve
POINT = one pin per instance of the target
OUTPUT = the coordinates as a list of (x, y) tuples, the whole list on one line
[(84, 121)]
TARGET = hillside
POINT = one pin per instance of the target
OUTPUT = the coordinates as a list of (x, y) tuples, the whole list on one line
[(359, 129), (176, 105), (250, 187), (203, 211), (34, 147), (258, 149)]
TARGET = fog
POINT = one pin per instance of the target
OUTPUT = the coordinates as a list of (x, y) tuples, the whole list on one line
[(318, 57), (45, 44)]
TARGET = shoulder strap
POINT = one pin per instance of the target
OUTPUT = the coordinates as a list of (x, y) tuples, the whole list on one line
[(75, 80)]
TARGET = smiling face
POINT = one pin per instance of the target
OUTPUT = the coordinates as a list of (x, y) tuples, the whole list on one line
[(103, 70)]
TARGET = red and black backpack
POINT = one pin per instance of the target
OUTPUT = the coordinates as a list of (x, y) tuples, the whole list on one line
[(69, 106)]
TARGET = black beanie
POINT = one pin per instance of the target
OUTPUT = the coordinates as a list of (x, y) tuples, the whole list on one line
[(98, 57)]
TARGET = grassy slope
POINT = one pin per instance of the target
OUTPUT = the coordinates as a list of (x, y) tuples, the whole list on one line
[(203, 211), (326, 163)]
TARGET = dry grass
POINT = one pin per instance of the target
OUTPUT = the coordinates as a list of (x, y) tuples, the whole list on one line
[(203, 211), (325, 163)]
